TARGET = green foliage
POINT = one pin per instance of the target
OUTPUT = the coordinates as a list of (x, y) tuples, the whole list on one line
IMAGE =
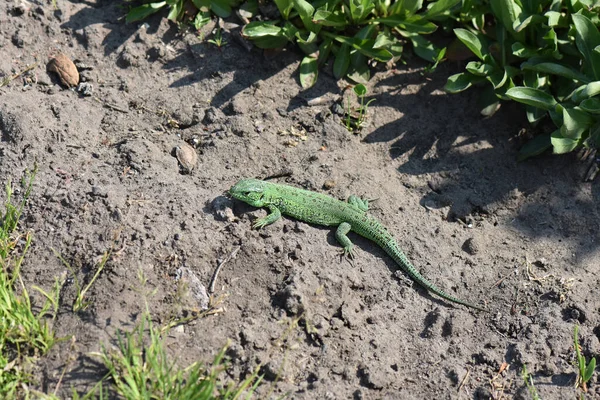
[(140, 369), (352, 33), (544, 54), (528, 379), (586, 370), (196, 12), (217, 39), (355, 121), (80, 304), (24, 334)]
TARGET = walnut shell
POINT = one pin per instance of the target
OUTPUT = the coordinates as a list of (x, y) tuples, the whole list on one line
[(65, 69), (187, 157)]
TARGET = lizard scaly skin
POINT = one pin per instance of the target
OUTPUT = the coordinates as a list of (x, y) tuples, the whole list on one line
[(320, 209)]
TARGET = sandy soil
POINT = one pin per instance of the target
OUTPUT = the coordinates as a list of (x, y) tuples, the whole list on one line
[(519, 237)]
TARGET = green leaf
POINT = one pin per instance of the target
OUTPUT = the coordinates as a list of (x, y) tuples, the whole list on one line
[(306, 11), (407, 7), (522, 51), (557, 115), (575, 122), (265, 35), (221, 8), (534, 147), (203, 5), (201, 19), (284, 7), (143, 11), (591, 106), (585, 92), (534, 114), (479, 68), (365, 46), (424, 48), (561, 145), (488, 101), (555, 69), (524, 21), (581, 362), (258, 29), (533, 97), (508, 11), (587, 39), (175, 11), (459, 82), (556, 19), (360, 73), (413, 23), (249, 9), (324, 50), (310, 49), (360, 90), (342, 61), (334, 19), (440, 7), (498, 78), (472, 41), (551, 39), (367, 32), (359, 10), (384, 40), (594, 138), (589, 371), (309, 71)]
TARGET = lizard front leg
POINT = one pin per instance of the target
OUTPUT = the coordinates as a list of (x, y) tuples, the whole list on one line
[(342, 238), (273, 216)]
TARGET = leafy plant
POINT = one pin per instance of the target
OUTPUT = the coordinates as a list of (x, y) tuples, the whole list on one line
[(352, 32), (197, 12), (586, 370), (217, 38), (544, 54), (354, 122)]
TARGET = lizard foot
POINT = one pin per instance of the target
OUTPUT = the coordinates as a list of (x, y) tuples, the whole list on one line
[(259, 223), (347, 252)]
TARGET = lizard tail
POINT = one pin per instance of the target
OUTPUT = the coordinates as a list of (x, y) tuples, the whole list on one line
[(407, 267)]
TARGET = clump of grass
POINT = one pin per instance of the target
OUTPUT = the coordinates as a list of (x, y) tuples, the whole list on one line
[(80, 303), (140, 369), (24, 334), (528, 379)]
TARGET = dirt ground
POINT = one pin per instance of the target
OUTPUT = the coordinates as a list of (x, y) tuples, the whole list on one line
[(520, 238)]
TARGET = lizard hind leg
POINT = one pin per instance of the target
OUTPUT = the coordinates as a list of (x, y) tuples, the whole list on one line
[(341, 234), (362, 204)]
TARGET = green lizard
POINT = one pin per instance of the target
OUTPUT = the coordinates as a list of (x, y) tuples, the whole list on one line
[(320, 209)]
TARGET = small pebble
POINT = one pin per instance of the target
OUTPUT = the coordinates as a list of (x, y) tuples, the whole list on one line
[(329, 184), (470, 246), (187, 157)]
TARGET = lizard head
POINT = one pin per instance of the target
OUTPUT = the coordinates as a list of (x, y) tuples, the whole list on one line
[(250, 191)]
